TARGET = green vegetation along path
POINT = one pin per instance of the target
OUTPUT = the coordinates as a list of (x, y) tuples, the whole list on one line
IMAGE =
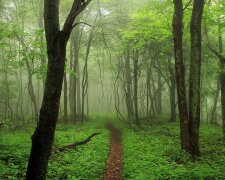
[(114, 163)]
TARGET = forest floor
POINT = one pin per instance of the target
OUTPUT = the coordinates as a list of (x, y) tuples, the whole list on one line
[(150, 152), (114, 163)]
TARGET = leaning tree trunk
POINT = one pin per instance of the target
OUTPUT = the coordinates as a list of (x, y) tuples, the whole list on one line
[(180, 74), (43, 136), (195, 75)]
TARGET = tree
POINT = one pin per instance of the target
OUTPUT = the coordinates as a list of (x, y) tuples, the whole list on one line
[(43, 136), (189, 121), (180, 74), (195, 75)]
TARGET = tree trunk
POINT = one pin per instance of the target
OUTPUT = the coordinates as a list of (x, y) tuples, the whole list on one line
[(180, 74), (43, 136), (135, 59), (172, 95), (159, 95), (222, 82), (129, 102), (76, 56), (65, 98), (195, 75), (71, 92), (216, 97), (78, 90)]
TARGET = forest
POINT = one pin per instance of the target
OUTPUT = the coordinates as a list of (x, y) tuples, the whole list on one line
[(112, 89)]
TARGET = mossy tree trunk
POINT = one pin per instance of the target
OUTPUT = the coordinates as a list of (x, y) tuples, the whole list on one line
[(195, 75), (180, 74), (43, 136)]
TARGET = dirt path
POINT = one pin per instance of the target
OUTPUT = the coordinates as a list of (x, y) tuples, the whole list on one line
[(114, 163)]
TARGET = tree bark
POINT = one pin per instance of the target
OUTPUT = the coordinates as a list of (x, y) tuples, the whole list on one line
[(180, 74), (65, 97), (159, 95), (43, 136), (172, 95), (195, 75), (129, 101), (216, 97), (135, 59)]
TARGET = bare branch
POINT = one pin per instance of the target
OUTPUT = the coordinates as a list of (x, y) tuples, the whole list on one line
[(211, 48), (74, 145), (186, 6), (81, 23), (77, 7)]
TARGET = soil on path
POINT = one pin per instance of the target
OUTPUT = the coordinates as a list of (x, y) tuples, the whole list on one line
[(114, 163)]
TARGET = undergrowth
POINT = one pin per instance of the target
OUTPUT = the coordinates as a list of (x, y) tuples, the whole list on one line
[(150, 152), (154, 153), (86, 162)]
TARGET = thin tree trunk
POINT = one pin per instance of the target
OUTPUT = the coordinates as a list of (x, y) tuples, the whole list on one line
[(216, 97), (129, 102), (135, 59), (65, 98), (71, 92), (159, 95), (172, 95)]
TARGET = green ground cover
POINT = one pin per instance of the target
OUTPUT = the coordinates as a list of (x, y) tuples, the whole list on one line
[(87, 162), (150, 153), (154, 153)]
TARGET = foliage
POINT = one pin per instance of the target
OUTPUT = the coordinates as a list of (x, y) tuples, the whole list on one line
[(86, 162), (155, 154)]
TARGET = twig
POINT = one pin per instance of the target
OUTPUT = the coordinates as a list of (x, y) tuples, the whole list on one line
[(81, 23)]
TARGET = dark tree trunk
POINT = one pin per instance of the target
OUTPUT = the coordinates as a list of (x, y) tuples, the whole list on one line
[(180, 74), (43, 136), (172, 95), (129, 101), (195, 75), (222, 81), (135, 59), (151, 108), (159, 94)]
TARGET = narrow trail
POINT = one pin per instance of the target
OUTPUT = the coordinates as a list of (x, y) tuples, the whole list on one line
[(114, 163)]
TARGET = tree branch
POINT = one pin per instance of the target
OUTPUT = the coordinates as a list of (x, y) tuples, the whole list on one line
[(81, 23), (77, 7), (211, 48), (186, 6), (74, 145)]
